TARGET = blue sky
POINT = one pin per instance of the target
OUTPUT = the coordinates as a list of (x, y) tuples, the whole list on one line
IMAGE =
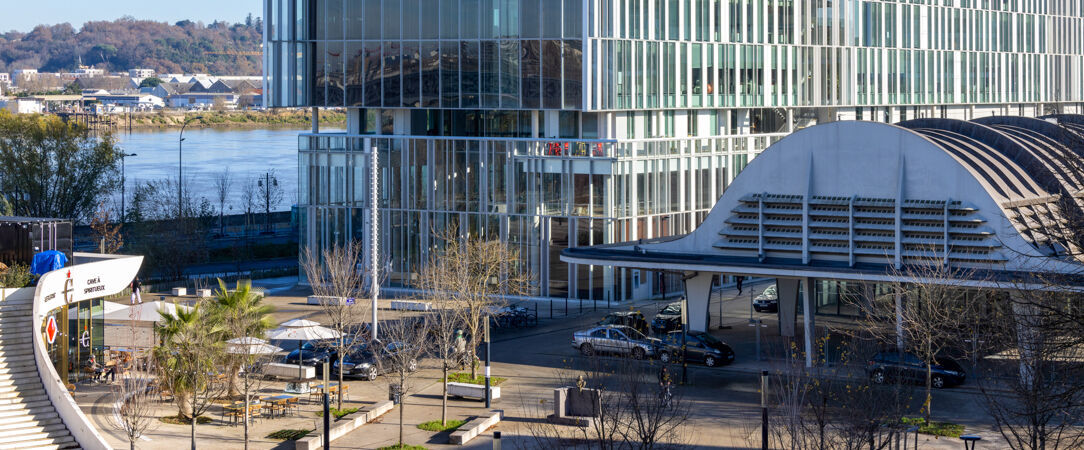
[(23, 15)]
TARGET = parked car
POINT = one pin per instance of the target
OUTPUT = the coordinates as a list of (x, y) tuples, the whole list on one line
[(616, 339), (667, 320), (368, 365), (700, 347), (906, 367), (631, 319), (767, 301), (313, 353)]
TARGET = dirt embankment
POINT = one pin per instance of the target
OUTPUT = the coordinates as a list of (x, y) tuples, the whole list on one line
[(227, 119)]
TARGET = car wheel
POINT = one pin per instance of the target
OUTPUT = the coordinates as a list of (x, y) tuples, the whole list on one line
[(709, 361), (938, 381), (664, 357), (412, 365), (371, 374), (878, 376), (587, 350), (638, 353)]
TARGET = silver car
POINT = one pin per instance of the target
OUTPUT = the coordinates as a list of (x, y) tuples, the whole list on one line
[(617, 339)]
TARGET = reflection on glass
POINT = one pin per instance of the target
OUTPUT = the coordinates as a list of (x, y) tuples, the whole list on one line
[(411, 74), (449, 73), (430, 54), (468, 69), (391, 74)]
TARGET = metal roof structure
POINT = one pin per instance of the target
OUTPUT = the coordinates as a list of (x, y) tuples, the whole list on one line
[(997, 196)]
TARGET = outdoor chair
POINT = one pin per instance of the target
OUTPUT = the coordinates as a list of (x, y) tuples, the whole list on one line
[(163, 394), (293, 403), (71, 388)]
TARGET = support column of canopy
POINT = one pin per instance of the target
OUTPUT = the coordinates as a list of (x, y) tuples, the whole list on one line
[(788, 290), (698, 295)]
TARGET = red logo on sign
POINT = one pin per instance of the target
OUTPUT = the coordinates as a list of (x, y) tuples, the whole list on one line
[(51, 330)]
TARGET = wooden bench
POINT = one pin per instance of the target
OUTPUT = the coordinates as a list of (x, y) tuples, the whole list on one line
[(473, 390), (474, 427)]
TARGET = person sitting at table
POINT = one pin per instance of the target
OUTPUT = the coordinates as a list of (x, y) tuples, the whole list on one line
[(94, 368), (110, 370)]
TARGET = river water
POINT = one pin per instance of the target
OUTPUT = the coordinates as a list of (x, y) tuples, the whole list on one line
[(248, 153)]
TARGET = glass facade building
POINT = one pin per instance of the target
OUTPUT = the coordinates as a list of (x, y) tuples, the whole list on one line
[(557, 123)]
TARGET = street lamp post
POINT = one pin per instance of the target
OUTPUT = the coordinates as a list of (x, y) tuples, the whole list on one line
[(123, 184), (266, 184), (180, 174)]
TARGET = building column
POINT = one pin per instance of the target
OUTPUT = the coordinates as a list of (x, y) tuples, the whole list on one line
[(808, 322), (698, 296), (315, 120), (787, 288)]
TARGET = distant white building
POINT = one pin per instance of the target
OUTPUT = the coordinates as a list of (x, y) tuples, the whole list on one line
[(22, 105), (140, 73), (203, 100), (5, 78), (88, 72), (136, 102)]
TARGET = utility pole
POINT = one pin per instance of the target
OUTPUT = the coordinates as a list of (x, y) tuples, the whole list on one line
[(180, 173), (267, 184), (123, 183), (488, 398), (374, 228)]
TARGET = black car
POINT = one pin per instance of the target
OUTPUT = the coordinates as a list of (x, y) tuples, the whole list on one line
[(312, 353), (767, 301), (631, 319), (700, 347), (667, 320), (906, 367), (363, 363)]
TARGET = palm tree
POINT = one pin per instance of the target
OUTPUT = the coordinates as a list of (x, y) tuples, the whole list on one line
[(242, 313), (188, 357)]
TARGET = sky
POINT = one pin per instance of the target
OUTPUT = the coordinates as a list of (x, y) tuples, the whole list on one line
[(24, 15)]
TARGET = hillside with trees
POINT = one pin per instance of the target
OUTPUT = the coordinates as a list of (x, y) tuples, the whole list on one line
[(188, 47)]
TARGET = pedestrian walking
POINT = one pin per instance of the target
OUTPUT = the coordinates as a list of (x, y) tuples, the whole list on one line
[(739, 279), (136, 286)]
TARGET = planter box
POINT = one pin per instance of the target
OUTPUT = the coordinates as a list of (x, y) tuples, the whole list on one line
[(179, 291), (289, 371), (203, 293), (325, 300), (344, 426), (408, 305), (473, 391)]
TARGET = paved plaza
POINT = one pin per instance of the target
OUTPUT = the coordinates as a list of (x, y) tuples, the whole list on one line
[(724, 401)]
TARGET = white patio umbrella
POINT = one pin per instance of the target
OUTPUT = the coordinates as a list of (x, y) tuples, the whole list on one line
[(301, 330), (145, 312), (250, 346)]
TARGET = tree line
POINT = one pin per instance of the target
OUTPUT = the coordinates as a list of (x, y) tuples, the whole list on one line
[(125, 43)]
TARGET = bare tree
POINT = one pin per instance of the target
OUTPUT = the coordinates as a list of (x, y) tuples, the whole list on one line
[(479, 275), (133, 405), (249, 200), (105, 232), (631, 412), (828, 407), (223, 183), (1032, 383), (337, 277), (407, 342), (932, 312)]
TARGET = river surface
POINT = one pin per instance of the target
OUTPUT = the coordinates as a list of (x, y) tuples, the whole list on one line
[(248, 153)]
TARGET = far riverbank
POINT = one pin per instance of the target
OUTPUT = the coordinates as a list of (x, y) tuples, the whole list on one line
[(163, 120)]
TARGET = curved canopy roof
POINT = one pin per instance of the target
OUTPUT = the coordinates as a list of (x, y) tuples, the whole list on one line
[(996, 194)]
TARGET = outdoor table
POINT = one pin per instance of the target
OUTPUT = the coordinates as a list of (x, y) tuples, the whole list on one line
[(971, 439), (278, 401)]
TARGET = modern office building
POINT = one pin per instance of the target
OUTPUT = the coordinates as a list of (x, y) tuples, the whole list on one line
[(564, 123)]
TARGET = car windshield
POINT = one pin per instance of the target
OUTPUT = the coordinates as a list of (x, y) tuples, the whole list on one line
[(769, 291), (633, 334), (709, 339), (672, 309)]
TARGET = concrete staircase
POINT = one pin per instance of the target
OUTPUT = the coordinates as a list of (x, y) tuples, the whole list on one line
[(27, 417)]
